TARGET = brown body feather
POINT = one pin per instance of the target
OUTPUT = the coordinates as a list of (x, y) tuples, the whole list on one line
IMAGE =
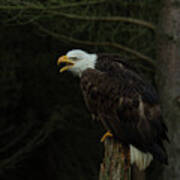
[(126, 105)]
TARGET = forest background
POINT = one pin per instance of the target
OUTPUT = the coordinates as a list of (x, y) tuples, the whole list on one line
[(45, 129)]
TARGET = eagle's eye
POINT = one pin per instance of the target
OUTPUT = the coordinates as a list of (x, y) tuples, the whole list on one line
[(74, 58)]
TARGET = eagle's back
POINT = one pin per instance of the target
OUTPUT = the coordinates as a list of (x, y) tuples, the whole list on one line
[(125, 104)]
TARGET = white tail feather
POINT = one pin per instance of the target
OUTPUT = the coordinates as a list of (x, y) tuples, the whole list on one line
[(141, 159)]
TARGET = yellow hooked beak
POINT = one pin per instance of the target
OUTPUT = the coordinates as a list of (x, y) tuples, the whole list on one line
[(64, 59)]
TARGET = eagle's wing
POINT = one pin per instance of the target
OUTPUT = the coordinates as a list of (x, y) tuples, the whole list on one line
[(127, 107)]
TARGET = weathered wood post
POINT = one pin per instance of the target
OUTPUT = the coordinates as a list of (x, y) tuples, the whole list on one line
[(115, 165)]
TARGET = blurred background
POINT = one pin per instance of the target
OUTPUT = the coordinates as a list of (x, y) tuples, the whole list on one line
[(45, 129)]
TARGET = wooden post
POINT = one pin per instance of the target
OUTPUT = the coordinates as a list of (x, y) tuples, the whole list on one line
[(115, 165)]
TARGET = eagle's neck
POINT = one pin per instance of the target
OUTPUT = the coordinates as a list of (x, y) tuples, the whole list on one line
[(82, 65)]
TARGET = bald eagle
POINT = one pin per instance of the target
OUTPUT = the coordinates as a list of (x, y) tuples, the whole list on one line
[(126, 105)]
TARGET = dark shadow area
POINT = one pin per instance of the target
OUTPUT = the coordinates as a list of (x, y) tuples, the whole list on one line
[(46, 131)]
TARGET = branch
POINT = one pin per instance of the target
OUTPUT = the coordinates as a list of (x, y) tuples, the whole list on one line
[(18, 155), (90, 43), (50, 9), (43, 7), (108, 19), (17, 139), (41, 135)]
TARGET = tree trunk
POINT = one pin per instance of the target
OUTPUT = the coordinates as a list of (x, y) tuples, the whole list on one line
[(168, 80), (116, 163)]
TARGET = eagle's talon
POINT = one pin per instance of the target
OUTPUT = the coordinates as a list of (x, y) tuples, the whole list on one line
[(107, 134)]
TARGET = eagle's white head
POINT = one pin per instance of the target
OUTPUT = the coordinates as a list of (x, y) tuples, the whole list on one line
[(77, 61)]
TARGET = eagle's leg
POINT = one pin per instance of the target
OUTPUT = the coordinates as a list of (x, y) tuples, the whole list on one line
[(107, 134)]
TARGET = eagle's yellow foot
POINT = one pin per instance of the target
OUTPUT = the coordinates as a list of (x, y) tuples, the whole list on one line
[(107, 134)]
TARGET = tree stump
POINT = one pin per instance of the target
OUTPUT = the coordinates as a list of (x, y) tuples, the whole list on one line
[(116, 163)]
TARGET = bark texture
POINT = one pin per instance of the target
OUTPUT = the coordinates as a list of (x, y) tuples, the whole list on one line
[(168, 80), (115, 165)]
